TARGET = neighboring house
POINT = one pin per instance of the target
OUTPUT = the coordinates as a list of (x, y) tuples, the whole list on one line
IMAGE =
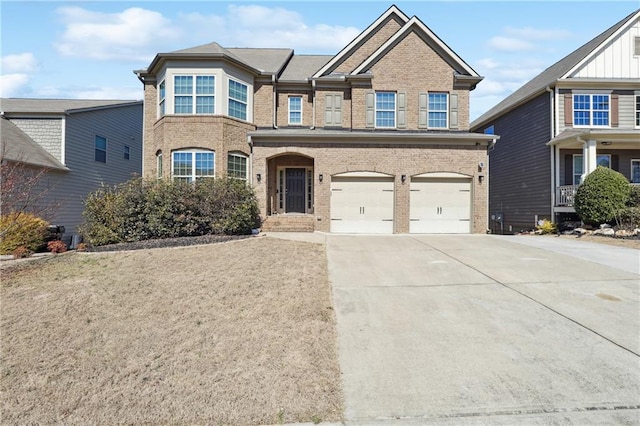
[(581, 112), (81, 144), (372, 140)]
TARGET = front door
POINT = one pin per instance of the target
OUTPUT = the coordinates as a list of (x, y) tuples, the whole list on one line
[(295, 188)]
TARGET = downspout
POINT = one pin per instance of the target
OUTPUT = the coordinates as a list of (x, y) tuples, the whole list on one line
[(585, 157), (275, 100), (551, 153), (250, 143), (313, 105)]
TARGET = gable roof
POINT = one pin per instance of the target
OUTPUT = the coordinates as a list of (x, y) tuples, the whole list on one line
[(439, 46), (551, 75), (58, 106), (16, 146), (393, 11)]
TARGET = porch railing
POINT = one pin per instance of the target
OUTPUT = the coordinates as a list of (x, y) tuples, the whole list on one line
[(566, 194)]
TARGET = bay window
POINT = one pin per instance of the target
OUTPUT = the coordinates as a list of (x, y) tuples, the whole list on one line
[(196, 90), (237, 100)]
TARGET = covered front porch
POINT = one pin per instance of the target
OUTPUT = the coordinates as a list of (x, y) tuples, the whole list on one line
[(577, 153)]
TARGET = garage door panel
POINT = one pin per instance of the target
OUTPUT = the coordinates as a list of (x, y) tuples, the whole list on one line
[(362, 205), (441, 205)]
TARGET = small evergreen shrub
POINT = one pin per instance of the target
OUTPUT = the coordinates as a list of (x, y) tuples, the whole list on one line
[(545, 226), (634, 196), (21, 230), (56, 246), (603, 193), (141, 209), (628, 218), (21, 252)]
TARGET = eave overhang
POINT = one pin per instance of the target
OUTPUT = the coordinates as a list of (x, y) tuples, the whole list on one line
[(575, 138)]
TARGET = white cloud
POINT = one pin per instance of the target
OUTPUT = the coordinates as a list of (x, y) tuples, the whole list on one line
[(529, 33), (19, 63), (12, 84), (510, 44), (125, 35)]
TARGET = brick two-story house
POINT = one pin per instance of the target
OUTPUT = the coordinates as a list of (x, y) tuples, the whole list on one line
[(372, 140)]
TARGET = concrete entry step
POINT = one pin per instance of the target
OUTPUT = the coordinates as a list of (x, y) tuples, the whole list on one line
[(289, 223)]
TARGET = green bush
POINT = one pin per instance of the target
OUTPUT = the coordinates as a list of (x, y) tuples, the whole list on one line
[(628, 218), (634, 196), (21, 230), (603, 193), (148, 209)]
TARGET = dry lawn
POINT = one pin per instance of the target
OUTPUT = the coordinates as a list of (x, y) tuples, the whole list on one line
[(633, 243), (231, 333)]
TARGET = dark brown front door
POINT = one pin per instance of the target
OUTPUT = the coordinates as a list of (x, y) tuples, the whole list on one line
[(295, 190)]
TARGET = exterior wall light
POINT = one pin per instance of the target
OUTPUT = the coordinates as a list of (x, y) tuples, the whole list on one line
[(320, 177), (403, 178), (259, 177)]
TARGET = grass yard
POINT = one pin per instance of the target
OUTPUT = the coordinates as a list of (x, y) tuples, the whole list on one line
[(231, 333)]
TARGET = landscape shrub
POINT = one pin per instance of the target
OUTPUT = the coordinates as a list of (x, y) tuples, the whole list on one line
[(21, 230), (628, 218), (545, 226), (141, 209), (634, 196), (21, 252), (56, 246), (603, 193)]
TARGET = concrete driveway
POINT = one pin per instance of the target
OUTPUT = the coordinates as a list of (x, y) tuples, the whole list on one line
[(480, 329)]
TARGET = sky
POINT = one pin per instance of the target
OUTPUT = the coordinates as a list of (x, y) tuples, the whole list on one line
[(89, 49)]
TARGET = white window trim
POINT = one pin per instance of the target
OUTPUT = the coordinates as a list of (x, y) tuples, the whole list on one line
[(446, 110), (229, 99), (591, 110), (395, 110), (240, 155), (290, 111), (192, 177), (159, 165), (162, 100), (194, 95), (633, 160), (636, 109)]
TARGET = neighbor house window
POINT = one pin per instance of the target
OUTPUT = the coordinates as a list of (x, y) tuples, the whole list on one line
[(438, 108), (161, 97), (127, 152), (603, 160), (190, 165), (237, 166), (295, 110), (100, 145), (637, 110), (635, 171), (591, 110), (237, 100), (386, 109), (196, 90)]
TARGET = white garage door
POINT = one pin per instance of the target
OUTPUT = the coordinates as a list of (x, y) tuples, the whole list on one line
[(440, 206), (362, 205)]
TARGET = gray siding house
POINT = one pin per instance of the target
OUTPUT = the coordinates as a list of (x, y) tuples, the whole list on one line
[(580, 113), (81, 144)]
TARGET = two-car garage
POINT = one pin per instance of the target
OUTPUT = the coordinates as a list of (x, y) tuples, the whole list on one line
[(363, 202)]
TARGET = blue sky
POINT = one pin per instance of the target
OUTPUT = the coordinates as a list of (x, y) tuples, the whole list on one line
[(73, 49)]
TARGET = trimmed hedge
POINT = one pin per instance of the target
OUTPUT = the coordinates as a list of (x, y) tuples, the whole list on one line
[(141, 210), (22, 230), (603, 193)]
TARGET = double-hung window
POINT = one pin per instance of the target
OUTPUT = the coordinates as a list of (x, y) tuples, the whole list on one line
[(237, 166), (190, 165), (386, 110), (100, 149), (161, 97), (635, 171), (295, 110), (591, 110), (438, 109), (237, 100), (189, 90)]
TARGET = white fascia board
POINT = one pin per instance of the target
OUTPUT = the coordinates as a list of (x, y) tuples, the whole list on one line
[(391, 11), (401, 32), (604, 43)]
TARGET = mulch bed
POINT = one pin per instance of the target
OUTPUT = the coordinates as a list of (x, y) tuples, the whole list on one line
[(168, 242)]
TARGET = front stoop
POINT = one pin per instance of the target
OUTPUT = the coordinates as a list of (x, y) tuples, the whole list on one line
[(288, 223)]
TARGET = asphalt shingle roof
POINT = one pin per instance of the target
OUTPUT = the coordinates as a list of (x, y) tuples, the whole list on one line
[(301, 67), (55, 106)]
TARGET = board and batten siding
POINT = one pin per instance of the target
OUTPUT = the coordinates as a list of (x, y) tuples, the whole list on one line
[(120, 126), (626, 107), (520, 167)]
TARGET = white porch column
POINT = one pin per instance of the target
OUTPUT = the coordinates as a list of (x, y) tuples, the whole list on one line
[(589, 157)]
